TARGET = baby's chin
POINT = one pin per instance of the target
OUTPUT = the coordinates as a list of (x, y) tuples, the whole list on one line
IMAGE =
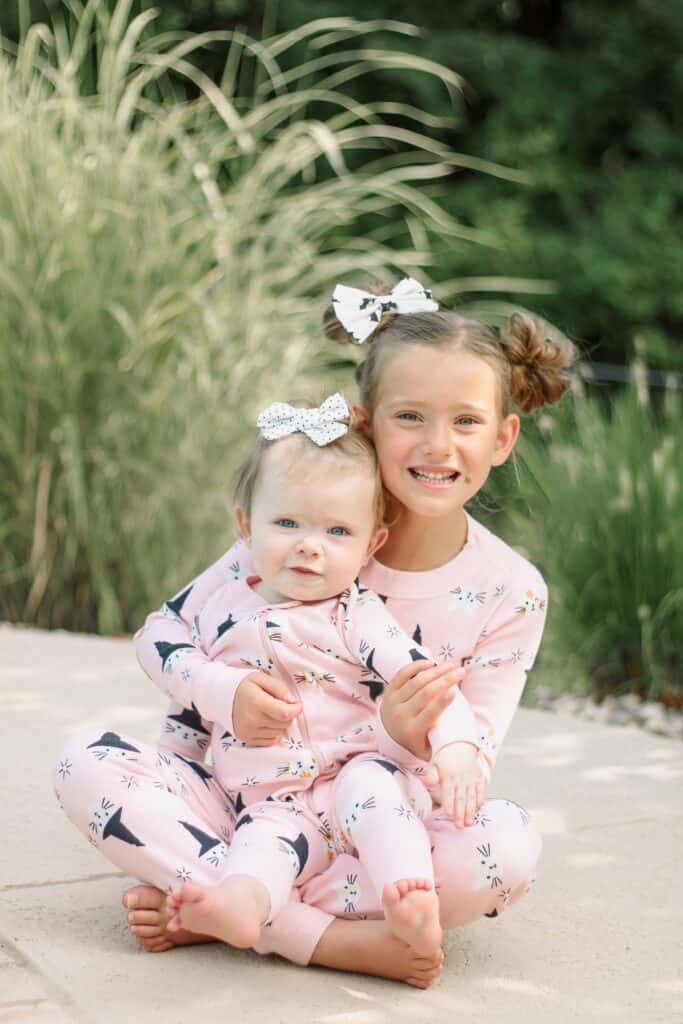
[(318, 590)]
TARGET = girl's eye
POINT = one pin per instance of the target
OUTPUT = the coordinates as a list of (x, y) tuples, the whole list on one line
[(339, 531), (410, 417), (466, 421), (288, 523)]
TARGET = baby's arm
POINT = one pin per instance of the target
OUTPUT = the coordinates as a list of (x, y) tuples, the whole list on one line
[(169, 652), (377, 641)]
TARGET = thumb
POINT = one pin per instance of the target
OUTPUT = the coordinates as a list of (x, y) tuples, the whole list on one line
[(276, 688)]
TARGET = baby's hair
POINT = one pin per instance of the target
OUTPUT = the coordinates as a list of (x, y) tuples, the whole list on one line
[(352, 447), (532, 370)]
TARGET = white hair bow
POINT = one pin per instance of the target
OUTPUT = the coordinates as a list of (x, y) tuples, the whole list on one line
[(360, 312), (321, 425)]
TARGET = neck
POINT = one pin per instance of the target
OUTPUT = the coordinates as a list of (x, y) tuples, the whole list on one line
[(419, 544)]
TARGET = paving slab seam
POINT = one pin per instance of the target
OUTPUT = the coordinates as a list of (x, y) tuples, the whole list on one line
[(13, 886), (55, 993)]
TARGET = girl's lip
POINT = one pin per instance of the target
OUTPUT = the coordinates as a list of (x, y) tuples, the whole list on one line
[(447, 481), (303, 571)]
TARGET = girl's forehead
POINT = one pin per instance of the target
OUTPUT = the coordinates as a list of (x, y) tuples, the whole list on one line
[(432, 375)]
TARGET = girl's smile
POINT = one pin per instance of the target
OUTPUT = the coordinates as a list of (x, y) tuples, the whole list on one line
[(434, 476)]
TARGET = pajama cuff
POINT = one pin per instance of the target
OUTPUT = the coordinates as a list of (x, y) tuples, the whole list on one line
[(214, 691), (387, 746), (295, 933), (457, 724)]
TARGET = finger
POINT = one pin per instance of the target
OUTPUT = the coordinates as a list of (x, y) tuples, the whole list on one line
[(459, 808), (276, 711), (275, 687), (434, 708), (432, 689), (403, 678), (456, 672), (448, 796), (471, 805), (419, 679)]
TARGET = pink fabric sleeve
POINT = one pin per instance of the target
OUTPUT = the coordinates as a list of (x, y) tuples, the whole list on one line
[(170, 654), (496, 673), (374, 637)]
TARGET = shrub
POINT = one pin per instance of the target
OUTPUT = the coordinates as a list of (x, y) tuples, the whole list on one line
[(605, 477), (162, 266)]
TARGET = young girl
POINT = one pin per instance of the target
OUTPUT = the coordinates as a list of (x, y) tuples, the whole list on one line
[(310, 510), (438, 394)]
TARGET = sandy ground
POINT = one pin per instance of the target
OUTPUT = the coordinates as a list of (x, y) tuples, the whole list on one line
[(598, 940)]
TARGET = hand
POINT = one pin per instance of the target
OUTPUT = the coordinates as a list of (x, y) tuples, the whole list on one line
[(414, 701), (263, 709), (462, 781)]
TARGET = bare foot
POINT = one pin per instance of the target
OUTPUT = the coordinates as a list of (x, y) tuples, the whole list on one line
[(148, 917), (411, 908), (370, 947), (233, 911)]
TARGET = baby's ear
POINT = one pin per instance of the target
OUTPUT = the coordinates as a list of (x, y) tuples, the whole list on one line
[(376, 542), (362, 419), (242, 523)]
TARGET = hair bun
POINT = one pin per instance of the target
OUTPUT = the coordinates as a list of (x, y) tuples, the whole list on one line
[(335, 330), (538, 366)]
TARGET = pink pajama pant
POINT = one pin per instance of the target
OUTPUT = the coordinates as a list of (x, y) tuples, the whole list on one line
[(164, 818), (372, 807)]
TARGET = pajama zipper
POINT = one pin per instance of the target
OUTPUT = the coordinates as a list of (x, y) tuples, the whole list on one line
[(303, 725)]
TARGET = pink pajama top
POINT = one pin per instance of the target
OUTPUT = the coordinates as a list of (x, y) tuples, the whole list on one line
[(485, 610), (335, 655)]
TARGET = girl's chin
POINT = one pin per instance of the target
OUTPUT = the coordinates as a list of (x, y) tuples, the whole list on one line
[(429, 509)]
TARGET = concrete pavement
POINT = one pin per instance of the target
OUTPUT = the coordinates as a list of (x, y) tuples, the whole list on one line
[(598, 940)]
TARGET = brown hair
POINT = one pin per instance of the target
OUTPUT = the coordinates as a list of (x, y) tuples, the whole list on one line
[(532, 370), (353, 446)]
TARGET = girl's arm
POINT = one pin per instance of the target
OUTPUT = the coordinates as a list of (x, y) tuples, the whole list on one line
[(496, 673)]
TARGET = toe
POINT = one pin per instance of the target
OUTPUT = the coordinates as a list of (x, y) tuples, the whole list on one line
[(146, 931), (190, 892), (390, 894), (145, 896), (144, 917)]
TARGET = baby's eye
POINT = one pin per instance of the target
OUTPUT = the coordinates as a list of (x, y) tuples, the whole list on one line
[(339, 531), (409, 417), (288, 523), (466, 421)]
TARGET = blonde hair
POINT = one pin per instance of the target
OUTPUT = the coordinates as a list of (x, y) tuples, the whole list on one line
[(532, 370), (353, 446)]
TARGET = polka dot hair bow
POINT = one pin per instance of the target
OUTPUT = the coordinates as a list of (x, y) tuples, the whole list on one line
[(321, 425), (360, 312)]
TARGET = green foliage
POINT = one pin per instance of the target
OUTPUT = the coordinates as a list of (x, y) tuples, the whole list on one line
[(163, 263), (584, 98), (604, 479)]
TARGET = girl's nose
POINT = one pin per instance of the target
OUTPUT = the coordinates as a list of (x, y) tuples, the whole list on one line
[(439, 441)]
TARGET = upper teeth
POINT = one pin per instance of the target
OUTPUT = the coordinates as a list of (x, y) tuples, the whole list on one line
[(433, 476)]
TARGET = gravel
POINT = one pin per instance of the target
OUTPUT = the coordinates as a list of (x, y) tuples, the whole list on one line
[(628, 709)]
